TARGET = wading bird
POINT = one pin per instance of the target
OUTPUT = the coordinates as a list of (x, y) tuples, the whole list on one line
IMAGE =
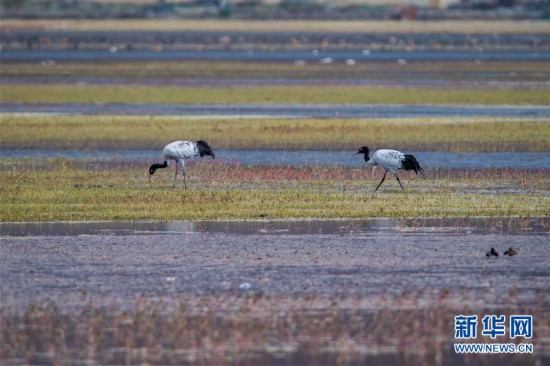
[(180, 151), (391, 161)]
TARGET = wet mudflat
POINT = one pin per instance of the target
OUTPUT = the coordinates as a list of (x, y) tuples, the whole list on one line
[(70, 262), (269, 292), (294, 286)]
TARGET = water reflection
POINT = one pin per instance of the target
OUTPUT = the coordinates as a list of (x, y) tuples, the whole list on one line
[(380, 226)]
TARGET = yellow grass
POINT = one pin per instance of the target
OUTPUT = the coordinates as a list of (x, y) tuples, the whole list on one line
[(64, 190), (333, 94), (263, 70), (471, 26), (143, 132)]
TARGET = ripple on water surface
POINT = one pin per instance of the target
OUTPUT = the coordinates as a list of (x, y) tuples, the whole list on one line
[(358, 227)]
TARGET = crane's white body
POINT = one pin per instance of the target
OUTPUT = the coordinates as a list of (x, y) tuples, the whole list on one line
[(390, 160), (180, 151)]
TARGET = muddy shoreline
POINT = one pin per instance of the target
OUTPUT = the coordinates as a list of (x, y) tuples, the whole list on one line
[(344, 259)]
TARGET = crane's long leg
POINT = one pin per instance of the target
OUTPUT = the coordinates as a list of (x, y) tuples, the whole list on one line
[(396, 177), (184, 182), (175, 175), (379, 184)]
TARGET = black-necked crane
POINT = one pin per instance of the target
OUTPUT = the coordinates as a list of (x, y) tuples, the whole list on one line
[(391, 161), (180, 151)]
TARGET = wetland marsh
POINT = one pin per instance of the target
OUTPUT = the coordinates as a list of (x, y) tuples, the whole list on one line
[(279, 252), (322, 291)]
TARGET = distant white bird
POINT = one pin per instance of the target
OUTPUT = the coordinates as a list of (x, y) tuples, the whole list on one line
[(180, 151), (391, 161)]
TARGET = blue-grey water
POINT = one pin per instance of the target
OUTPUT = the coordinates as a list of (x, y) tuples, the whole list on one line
[(428, 159), (363, 227), (486, 80), (279, 55), (340, 111), (71, 263)]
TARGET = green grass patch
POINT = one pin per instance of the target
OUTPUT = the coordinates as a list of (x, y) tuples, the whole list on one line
[(27, 93), (63, 190), (270, 70), (149, 132)]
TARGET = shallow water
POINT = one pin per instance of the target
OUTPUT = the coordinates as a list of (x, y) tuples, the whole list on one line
[(302, 158), (68, 262), (234, 110), (428, 80), (279, 55), (368, 227)]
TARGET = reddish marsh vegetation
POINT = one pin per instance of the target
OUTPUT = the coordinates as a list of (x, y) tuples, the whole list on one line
[(256, 328)]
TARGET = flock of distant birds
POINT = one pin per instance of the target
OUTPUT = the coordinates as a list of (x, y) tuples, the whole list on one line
[(179, 151), (390, 160)]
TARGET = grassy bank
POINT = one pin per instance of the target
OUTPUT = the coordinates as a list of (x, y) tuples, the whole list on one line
[(29, 93), (460, 26), (63, 190), (149, 132), (224, 70)]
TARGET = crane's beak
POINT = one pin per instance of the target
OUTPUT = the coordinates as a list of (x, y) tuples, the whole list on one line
[(357, 153)]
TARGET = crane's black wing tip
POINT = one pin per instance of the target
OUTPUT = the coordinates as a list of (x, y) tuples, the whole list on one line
[(204, 149), (410, 163)]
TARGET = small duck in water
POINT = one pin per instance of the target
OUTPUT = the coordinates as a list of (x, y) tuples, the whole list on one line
[(510, 252), (492, 252)]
